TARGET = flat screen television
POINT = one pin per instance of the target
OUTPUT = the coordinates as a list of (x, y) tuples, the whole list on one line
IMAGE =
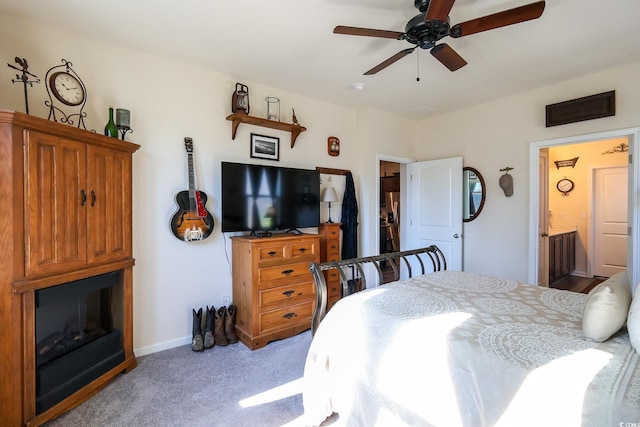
[(262, 199)]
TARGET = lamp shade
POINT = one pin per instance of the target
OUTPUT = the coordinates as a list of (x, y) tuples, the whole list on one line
[(329, 195)]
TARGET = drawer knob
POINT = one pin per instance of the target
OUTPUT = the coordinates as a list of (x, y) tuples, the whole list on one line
[(288, 293), (289, 315), (287, 272), (303, 250), (272, 253)]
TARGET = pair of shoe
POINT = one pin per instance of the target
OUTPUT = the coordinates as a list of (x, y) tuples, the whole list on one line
[(219, 328)]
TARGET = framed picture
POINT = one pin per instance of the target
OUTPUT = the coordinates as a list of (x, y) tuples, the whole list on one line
[(265, 147)]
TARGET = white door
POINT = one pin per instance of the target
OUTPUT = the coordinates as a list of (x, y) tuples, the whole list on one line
[(435, 206), (610, 220), (543, 219)]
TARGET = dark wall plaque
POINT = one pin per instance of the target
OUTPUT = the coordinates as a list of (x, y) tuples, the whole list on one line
[(580, 109)]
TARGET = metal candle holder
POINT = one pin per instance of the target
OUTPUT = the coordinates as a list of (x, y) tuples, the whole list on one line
[(123, 120), (123, 130)]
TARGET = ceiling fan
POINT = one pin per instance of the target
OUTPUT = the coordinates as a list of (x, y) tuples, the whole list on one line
[(432, 25)]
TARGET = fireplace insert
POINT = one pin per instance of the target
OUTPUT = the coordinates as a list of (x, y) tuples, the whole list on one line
[(76, 338)]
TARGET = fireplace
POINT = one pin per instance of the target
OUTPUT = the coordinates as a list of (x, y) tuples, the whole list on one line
[(77, 336)]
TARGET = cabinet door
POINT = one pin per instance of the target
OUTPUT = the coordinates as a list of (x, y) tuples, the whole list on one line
[(555, 261), (55, 216), (572, 252), (566, 256), (109, 205)]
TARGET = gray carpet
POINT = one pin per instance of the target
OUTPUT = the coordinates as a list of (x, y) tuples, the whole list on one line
[(179, 387)]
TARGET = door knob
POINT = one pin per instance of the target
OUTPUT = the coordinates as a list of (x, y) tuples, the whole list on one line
[(455, 236)]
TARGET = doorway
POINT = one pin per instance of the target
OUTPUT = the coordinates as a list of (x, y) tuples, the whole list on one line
[(389, 207), (565, 217)]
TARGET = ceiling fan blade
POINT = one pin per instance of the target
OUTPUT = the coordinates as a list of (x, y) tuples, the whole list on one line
[(449, 57), (439, 10), (398, 56), (368, 32), (497, 20)]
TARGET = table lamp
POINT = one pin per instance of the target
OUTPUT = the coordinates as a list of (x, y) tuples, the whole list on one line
[(329, 195)]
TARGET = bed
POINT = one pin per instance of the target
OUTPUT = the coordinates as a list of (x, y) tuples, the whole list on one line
[(448, 348)]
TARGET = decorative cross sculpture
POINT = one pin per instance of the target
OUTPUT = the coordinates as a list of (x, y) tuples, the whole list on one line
[(24, 78)]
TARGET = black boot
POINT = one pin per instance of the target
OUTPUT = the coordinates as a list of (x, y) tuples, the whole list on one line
[(208, 328), (229, 322), (196, 341), (218, 327)]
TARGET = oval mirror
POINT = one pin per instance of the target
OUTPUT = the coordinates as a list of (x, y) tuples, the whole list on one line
[(473, 193)]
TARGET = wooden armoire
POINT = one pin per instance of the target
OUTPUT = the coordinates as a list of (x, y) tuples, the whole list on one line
[(65, 216)]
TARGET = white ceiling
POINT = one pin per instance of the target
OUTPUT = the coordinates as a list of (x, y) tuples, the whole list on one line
[(289, 44)]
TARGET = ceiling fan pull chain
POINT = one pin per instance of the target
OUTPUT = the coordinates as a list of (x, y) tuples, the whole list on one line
[(418, 66)]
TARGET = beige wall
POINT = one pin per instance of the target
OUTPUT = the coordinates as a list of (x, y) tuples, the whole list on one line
[(380, 135), (498, 134), (168, 101)]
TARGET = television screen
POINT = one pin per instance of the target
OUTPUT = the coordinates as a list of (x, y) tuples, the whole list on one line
[(266, 198)]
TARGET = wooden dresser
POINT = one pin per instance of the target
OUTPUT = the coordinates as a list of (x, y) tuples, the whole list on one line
[(330, 251), (65, 216), (273, 289)]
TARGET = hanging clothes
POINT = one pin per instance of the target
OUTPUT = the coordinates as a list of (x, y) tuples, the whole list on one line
[(349, 220)]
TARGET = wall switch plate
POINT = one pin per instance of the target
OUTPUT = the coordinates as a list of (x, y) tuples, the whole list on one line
[(226, 300)]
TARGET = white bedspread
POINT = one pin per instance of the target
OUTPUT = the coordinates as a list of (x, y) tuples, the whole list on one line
[(453, 348)]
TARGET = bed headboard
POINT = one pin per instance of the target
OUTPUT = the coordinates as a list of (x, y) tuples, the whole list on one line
[(428, 259)]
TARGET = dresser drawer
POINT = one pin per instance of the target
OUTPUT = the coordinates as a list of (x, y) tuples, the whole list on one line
[(287, 295), (334, 287), (286, 317), (332, 256), (304, 251), (270, 277), (332, 246), (273, 253)]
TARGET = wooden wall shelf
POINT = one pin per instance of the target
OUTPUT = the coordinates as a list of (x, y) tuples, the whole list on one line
[(236, 119)]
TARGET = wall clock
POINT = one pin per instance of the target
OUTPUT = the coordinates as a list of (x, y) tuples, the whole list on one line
[(565, 185), (66, 91), (66, 88)]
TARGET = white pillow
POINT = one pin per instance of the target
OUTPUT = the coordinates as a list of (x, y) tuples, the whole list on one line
[(607, 308), (633, 321)]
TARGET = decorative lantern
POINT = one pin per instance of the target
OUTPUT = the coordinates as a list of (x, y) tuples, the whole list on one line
[(240, 99)]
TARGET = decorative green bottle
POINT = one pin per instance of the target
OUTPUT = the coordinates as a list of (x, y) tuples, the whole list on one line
[(111, 129)]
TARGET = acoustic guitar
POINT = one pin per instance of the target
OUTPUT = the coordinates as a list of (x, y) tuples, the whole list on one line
[(191, 221)]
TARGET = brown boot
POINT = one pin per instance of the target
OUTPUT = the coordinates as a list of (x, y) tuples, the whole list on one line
[(229, 321), (196, 341), (218, 328), (208, 328)]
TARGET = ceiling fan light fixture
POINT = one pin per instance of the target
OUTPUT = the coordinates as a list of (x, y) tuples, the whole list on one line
[(358, 86)]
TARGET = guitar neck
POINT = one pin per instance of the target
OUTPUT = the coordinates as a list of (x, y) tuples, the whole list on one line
[(192, 179)]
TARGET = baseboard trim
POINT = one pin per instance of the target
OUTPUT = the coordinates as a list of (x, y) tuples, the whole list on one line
[(165, 345)]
